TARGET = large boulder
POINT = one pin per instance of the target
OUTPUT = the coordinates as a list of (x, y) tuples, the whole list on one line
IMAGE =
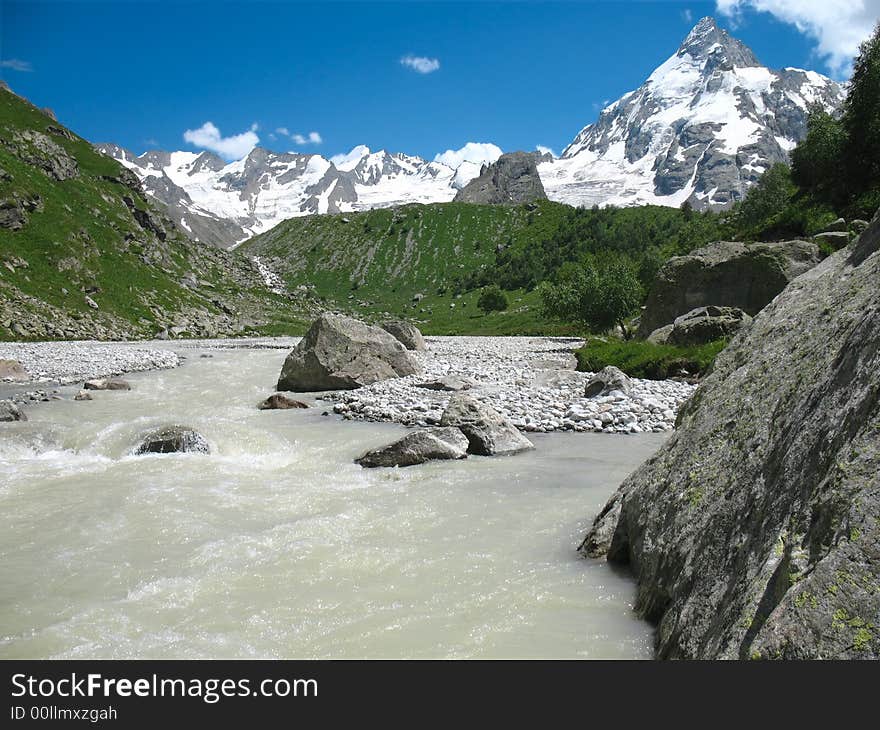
[(13, 370), (417, 447), (488, 432), (107, 384), (9, 411), (341, 353), (725, 274), (512, 179), (755, 531), (606, 380), (706, 324), (407, 334), (173, 439)]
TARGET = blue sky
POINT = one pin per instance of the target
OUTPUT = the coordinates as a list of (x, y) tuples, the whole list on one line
[(516, 74)]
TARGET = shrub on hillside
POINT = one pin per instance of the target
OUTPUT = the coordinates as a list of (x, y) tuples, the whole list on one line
[(492, 300)]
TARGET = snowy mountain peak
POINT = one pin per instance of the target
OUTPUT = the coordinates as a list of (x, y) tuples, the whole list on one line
[(702, 128), (708, 41)]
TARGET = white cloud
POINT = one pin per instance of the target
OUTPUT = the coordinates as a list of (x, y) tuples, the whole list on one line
[(312, 138), (421, 64), (232, 148), (283, 130), (348, 160), (837, 26), (479, 152), (545, 150), (16, 64), (687, 16)]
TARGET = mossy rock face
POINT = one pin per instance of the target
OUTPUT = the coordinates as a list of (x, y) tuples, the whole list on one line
[(753, 532), (725, 274)]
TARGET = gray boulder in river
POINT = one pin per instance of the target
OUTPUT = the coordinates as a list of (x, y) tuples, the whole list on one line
[(341, 353), (488, 432), (606, 380), (173, 439), (724, 274), (407, 334), (755, 531), (417, 447), (9, 411)]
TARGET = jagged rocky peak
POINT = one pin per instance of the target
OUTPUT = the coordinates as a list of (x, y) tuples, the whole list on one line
[(512, 179), (708, 41)]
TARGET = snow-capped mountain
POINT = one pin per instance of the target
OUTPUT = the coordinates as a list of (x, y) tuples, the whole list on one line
[(702, 128), (228, 203)]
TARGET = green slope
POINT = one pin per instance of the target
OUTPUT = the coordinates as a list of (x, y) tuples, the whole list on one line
[(376, 262), (77, 231), (383, 261)]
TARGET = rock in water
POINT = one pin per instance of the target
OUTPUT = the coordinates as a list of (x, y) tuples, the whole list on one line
[(607, 379), (13, 370), (705, 324), (418, 447), (341, 353), (754, 531), (11, 412), (724, 274), (280, 402), (173, 439), (488, 432), (83, 395), (107, 384), (512, 179), (407, 334)]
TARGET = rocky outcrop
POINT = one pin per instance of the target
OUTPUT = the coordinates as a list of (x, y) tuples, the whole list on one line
[(418, 447), (407, 334), (280, 402), (703, 325), (488, 432), (173, 439), (725, 274), (512, 179), (754, 531), (37, 149), (608, 379), (340, 353)]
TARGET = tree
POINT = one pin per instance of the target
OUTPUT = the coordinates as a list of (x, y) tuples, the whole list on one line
[(603, 293), (816, 163), (766, 199), (492, 300), (861, 119)]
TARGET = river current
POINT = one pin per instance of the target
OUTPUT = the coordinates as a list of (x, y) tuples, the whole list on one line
[(277, 545)]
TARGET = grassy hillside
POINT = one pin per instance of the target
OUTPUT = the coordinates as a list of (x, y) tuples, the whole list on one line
[(407, 261), (83, 254), (430, 262)]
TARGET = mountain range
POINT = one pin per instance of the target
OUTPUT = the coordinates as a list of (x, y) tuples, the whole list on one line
[(702, 128)]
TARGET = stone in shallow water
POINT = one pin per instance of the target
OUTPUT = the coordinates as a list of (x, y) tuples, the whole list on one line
[(280, 402), (418, 447), (13, 370), (173, 439), (488, 432), (11, 412), (107, 384)]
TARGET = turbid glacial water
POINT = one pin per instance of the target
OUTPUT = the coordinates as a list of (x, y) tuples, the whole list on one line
[(277, 545)]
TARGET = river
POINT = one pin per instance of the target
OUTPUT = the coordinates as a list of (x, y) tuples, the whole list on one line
[(278, 546)]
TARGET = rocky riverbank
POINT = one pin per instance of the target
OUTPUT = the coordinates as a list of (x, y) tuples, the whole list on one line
[(530, 380)]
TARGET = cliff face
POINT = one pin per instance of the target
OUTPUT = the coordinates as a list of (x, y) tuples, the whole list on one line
[(755, 531)]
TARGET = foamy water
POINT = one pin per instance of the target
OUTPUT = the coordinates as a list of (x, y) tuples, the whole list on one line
[(278, 545)]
